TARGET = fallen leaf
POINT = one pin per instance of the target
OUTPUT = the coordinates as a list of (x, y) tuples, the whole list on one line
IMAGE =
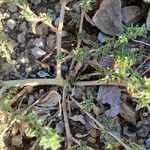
[(127, 113), (79, 118), (110, 95), (52, 99), (108, 17)]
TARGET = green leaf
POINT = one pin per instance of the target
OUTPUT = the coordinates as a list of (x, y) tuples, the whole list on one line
[(50, 140), (30, 132)]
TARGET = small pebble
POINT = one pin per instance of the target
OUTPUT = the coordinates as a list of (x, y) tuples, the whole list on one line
[(64, 33), (23, 27), (76, 7), (21, 38), (147, 142), (11, 24), (54, 16), (50, 41), (39, 42), (102, 37), (12, 8), (59, 127), (37, 52), (64, 67), (147, 65), (43, 74)]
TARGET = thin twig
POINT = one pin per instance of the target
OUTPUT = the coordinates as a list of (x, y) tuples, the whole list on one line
[(142, 64), (79, 40), (137, 41), (102, 126), (67, 128), (80, 28), (145, 71), (59, 36)]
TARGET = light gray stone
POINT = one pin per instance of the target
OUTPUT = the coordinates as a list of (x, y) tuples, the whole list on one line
[(76, 7), (37, 52), (23, 26), (11, 24), (102, 37), (147, 142), (12, 8), (39, 42), (56, 22), (21, 38)]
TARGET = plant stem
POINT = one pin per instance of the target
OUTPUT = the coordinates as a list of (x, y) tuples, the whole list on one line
[(67, 128), (32, 82), (94, 83), (59, 36)]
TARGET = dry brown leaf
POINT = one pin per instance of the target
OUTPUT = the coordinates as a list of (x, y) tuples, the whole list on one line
[(127, 113), (79, 118), (52, 99), (110, 95)]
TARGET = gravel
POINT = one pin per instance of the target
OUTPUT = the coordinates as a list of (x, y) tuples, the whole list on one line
[(12, 8), (23, 27), (56, 22), (37, 52), (50, 41), (11, 24), (21, 38), (39, 42), (102, 37)]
